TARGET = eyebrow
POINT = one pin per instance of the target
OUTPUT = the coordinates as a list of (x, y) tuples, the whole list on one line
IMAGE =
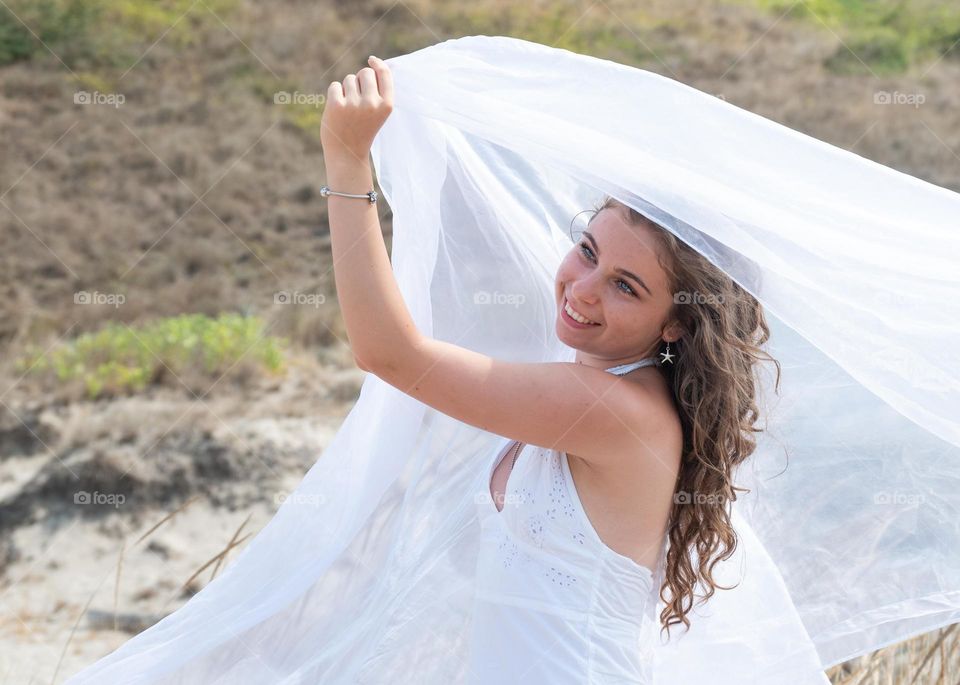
[(623, 272)]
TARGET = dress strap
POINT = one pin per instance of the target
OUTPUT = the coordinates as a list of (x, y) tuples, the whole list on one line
[(627, 368)]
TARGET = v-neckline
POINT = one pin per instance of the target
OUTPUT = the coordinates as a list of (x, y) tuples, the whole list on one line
[(574, 494), (506, 485)]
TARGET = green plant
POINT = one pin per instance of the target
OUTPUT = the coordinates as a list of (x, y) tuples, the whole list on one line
[(121, 358), (68, 28), (102, 33), (879, 36)]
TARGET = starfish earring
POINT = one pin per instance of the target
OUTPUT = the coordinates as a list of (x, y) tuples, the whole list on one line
[(667, 357)]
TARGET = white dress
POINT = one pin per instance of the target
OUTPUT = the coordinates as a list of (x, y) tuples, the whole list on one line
[(554, 605)]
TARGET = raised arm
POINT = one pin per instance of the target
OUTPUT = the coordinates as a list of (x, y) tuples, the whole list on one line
[(569, 407), (370, 300), (588, 412)]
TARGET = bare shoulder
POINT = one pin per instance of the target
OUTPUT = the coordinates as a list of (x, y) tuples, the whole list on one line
[(653, 435), (628, 492), (655, 399)]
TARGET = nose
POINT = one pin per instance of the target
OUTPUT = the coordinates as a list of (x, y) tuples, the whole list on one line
[(584, 290)]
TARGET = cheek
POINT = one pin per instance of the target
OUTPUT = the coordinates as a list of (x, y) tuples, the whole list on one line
[(570, 268), (622, 319), (636, 320)]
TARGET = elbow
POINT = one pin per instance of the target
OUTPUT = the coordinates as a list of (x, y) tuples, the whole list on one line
[(360, 363), (369, 363), (392, 367), (388, 363)]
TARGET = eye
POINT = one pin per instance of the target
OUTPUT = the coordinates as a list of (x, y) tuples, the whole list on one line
[(588, 253)]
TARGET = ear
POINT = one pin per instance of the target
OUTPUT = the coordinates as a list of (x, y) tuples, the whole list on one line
[(673, 332)]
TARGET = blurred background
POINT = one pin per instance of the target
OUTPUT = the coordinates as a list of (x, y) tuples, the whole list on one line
[(173, 357)]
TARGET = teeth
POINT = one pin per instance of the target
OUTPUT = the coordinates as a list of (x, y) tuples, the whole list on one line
[(574, 315)]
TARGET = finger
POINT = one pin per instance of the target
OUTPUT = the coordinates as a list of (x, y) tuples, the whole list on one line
[(367, 79), (384, 78), (335, 92), (350, 90)]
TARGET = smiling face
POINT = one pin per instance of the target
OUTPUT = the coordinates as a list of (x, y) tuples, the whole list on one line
[(613, 278)]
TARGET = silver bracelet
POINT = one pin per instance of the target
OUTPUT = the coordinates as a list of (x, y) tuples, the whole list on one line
[(372, 195)]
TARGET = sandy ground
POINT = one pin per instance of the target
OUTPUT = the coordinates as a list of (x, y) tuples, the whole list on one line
[(227, 459)]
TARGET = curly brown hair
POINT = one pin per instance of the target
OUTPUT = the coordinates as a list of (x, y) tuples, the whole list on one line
[(714, 390)]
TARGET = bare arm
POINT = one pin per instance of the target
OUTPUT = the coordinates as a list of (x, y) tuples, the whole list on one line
[(372, 306), (374, 313), (572, 408), (600, 417)]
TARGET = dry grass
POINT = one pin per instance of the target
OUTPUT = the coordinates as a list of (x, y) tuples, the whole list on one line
[(929, 659), (105, 199)]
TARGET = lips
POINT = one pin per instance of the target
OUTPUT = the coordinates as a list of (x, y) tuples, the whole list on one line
[(563, 308)]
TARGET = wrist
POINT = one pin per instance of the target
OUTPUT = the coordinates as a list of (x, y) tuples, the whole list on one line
[(342, 158), (347, 174)]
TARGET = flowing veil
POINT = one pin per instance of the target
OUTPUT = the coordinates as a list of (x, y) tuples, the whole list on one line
[(850, 536)]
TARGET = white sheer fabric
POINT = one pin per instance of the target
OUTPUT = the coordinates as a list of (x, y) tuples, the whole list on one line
[(850, 538)]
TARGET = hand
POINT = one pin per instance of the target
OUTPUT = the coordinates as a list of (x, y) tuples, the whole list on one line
[(355, 111)]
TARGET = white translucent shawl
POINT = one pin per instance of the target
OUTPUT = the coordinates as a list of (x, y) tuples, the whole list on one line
[(849, 539)]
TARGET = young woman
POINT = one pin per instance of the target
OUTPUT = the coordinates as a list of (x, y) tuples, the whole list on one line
[(614, 485), (423, 547)]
